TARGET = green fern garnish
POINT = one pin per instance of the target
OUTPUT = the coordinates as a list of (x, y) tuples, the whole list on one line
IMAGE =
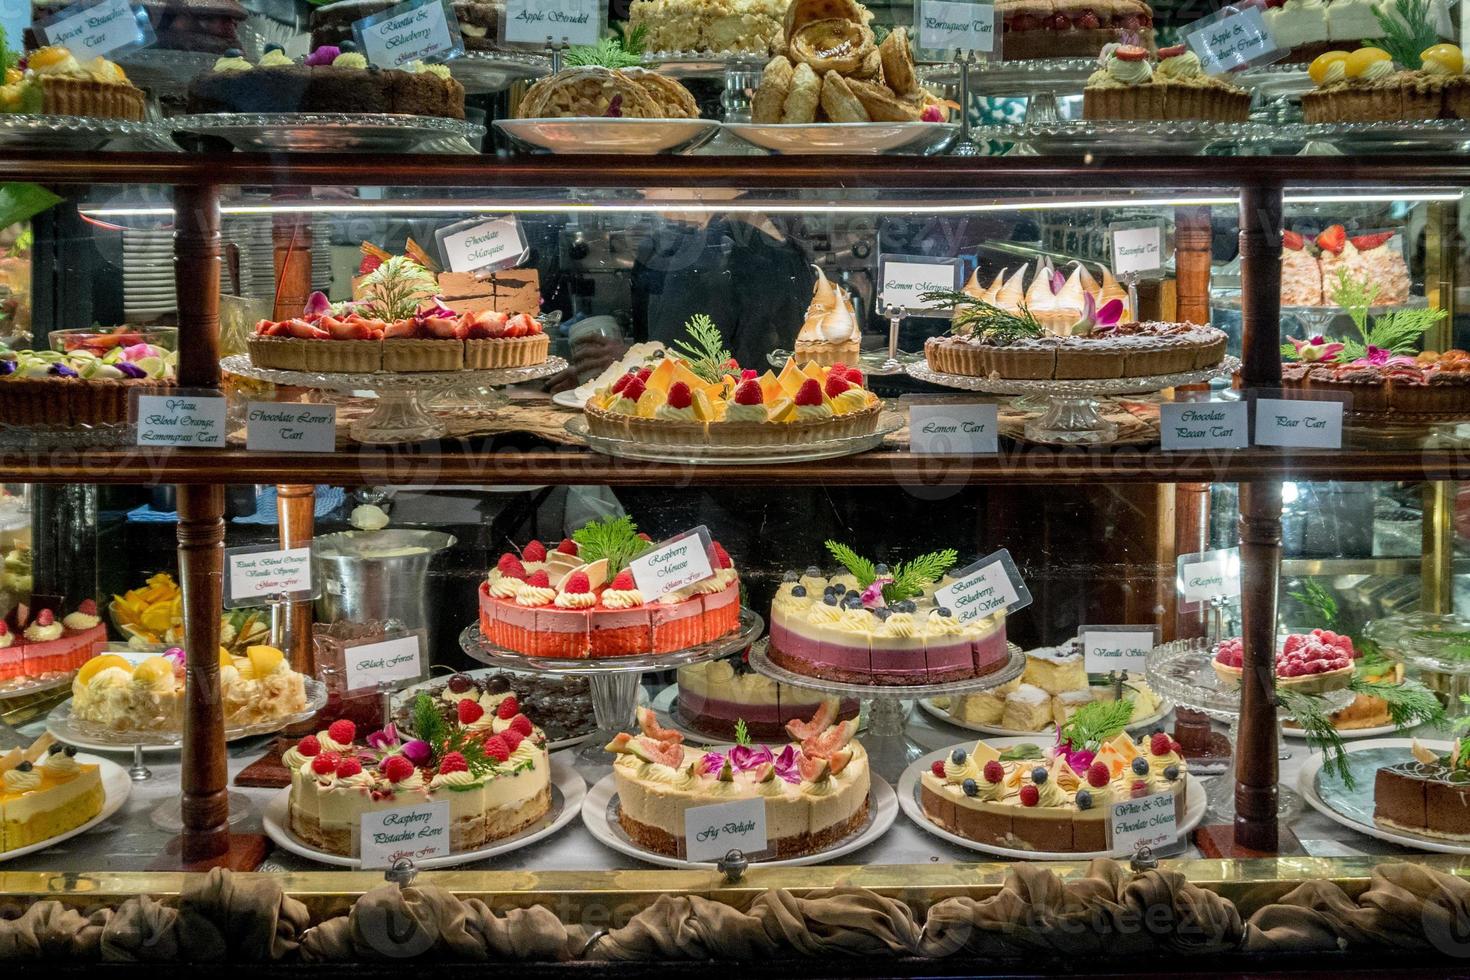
[(1398, 332), (982, 320), (705, 351), (430, 726), (1317, 600), (1311, 716), (1407, 33), (861, 569), (394, 289), (607, 53), (1409, 703), (1096, 723), (911, 577), (742, 734), (615, 539), (428, 723)]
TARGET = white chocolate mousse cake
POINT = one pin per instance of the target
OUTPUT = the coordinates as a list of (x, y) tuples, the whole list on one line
[(715, 696), (815, 787)]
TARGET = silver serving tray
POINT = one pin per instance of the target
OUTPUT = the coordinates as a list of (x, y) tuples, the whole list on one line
[(308, 132)]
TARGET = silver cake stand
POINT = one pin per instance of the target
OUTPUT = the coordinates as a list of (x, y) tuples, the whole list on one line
[(890, 749), (1073, 416), (613, 680), (1181, 672), (399, 414)]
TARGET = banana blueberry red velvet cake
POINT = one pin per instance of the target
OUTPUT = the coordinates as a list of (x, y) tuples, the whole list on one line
[(1428, 794), (715, 696), (815, 787), (580, 600), (871, 625)]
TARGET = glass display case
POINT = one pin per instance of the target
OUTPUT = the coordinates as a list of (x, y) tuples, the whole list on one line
[(597, 522)]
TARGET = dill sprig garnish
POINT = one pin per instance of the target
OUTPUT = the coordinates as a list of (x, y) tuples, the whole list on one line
[(742, 733), (1406, 32), (1409, 703), (615, 539), (610, 52), (1310, 714), (444, 738), (1317, 600), (984, 321), (705, 351), (1093, 724)]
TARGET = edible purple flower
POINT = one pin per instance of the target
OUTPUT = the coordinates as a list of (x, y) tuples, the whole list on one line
[(61, 370), (6, 367), (385, 739), (712, 762), (418, 752), (130, 369), (786, 765), (1057, 281), (744, 758), (324, 55), (317, 304), (177, 655), (873, 595), (1078, 758)]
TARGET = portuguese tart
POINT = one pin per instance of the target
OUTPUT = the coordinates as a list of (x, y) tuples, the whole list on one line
[(804, 12), (831, 45)]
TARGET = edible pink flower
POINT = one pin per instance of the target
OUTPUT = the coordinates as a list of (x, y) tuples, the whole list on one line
[(1382, 357), (786, 765), (745, 758), (873, 595), (385, 739), (324, 55), (932, 114), (1057, 281), (1096, 320), (136, 352), (317, 304), (1316, 350), (177, 655), (712, 762), (418, 752)]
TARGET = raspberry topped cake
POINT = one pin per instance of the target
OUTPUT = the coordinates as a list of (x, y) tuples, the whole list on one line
[(580, 600), (1307, 662), (47, 645)]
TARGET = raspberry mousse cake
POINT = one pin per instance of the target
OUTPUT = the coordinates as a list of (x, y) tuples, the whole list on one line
[(717, 696), (1310, 663), (49, 645), (869, 624), (580, 599), (492, 769), (815, 787)]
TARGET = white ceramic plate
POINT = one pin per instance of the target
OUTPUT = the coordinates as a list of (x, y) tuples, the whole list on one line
[(1195, 804), (1346, 734), (115, 789), (623, 136), (597, 810), (566, 785), (568, 399), (1049, 731), (865, 138)]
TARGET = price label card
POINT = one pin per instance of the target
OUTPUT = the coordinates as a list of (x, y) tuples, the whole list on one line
[(180, 420), (1117, 648), (424, 30), (954, 428), (106, 29), (1204, 425), (1138, 248), (253, 573), (289, 427), (1299, 424), (993, 584), (1209, 575), (1233, 38), (711, 832), (475, 246), (904, 278), (573, 21), (950, 25), (674, 564), (1148, 821), (390, 661), (418, 832)]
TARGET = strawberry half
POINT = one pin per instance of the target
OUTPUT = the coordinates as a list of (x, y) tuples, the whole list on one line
[(1333, 240), (810, 393), (1130, 52), (1293, 240), (680, 396), (749, 393), (1364, 242), (1173, 51)]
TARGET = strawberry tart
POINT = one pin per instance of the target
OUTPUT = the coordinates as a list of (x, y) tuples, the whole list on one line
[(1309, 663), (492, 770), (580, 600), (815, 787), (48, 646)]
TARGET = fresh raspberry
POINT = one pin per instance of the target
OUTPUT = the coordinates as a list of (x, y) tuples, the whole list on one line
[(4, 630), (396, 768), (45, 617), (1130, 52), (496, 748), (854, 377), (508, 708), (994, 772), (348, 767), (1140, 788), (512, 738), (510, 566), (622, 381), (577, 583), (1099, 775), (1172, 52), (88, 607), (634, 390), (623, 581), (309, 746), (836, 385), (567, 547), (839, 369), (749, 374), (938, 768), (534, 552), (1087, 20), (680, 396), (343, 732), (453, 762), (522, 724), (539, 579), (645, 373), (810, 393), (749, 393), (470, 711), (1030, 795), (1290, 240), (1174, 746), (325, 764), (722, 556), (1158, 744)]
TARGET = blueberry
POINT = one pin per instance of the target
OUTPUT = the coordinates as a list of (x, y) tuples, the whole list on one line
[(852, 602), (831, 590), (882, 612), (854, 594), (1140, 766), (1171, 772), (969, 787), (347, 46), (233, 53), (944, 611), (273, 47), (1084, 800), (799, 591), (1157, 730), (957, 757), (880, 569), (1038, 775), (70, 750), (830, 599), (23, 767), (55, 748), (791, 577), (812, 571)]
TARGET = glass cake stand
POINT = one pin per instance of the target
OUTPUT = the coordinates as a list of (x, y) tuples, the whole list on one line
[(98, 738), (614, 680), (321, 132), (399, 415), (874, 363), (1438, 645), (1034, 76), (484, 72), (1093, 135), (1180, 671), (890, 749), (888, 423), (1072, 416)]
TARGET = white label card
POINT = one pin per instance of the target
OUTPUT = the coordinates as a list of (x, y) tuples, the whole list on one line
[(1116, 648), (417, 832), (419, 31), (1204, 425), (382, 662), (255, 574), (1148, 821), (1138, 249), (99, 29), (1209, 575), (947, 25), (181, 421), (711, 832), (904, 278), (1236, 37), (290, 427), (673, 564), (954, 428), (1299, 424), (991, 585), (533, 21), (492, 245)]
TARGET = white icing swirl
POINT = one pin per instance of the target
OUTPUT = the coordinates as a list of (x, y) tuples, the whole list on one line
[(576, 600), (622, 598)]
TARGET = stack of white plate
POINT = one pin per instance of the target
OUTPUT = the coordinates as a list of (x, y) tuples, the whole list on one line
[(148, 273), (321, 253), (255, 242)]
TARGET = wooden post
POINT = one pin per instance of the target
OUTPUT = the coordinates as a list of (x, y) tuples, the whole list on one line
[(291, 237), (295, 517), (1192, 236), (1260, 527)]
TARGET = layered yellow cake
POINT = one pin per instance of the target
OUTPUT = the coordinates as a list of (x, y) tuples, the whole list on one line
[(44, 792)]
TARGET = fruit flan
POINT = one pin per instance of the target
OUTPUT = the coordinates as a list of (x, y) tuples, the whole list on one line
[(45, 791)]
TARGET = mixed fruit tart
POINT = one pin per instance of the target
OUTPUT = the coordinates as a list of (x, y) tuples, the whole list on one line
[(580, 600), (1127, 86), (49, 644), (1309, 663), (491, 768), (78, 387), (815, 787), (152, 615), (50, 81)]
